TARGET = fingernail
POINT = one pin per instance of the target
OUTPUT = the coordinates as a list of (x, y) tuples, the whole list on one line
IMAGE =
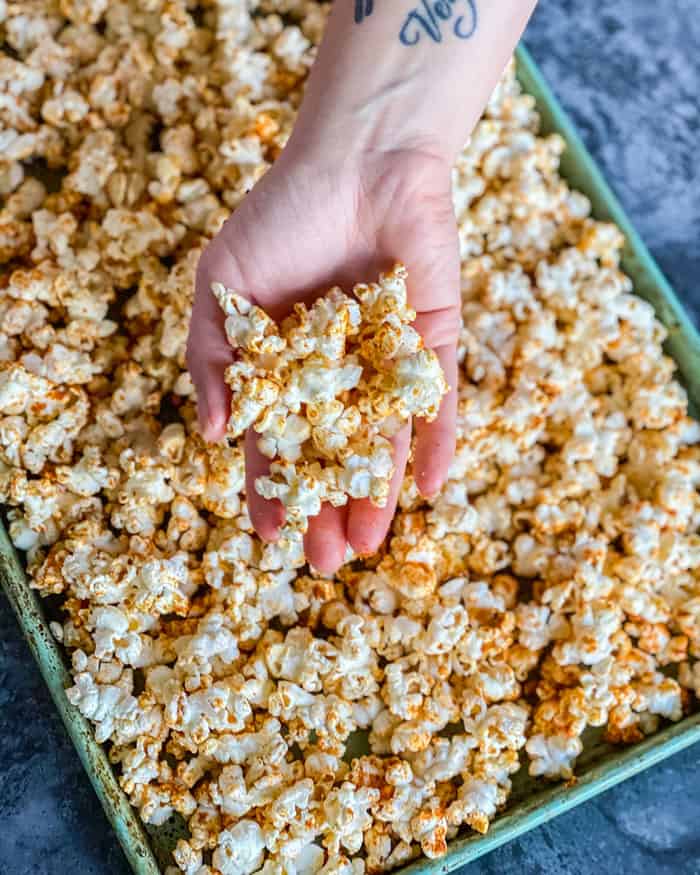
[(431, 493)]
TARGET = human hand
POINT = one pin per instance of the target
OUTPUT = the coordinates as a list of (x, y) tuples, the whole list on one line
[(310, 223)]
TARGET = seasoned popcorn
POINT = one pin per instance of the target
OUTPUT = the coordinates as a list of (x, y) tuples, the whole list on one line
[(301, 725), (327, 389)]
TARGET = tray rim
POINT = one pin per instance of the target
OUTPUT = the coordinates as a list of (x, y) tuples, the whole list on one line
[(544, 805), (50, 658)]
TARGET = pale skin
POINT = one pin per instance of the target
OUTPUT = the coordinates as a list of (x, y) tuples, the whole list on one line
[(363, 182)]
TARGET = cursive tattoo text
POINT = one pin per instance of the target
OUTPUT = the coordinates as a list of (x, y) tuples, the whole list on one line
[(428, 18), (363, 8)]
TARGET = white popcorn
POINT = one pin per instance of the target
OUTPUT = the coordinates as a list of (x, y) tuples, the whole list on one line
[(240, 850), (163, 585), (187, 859), (477, 804), (659, 695), (538, 625), (300, 492), (89, 476), (103, 693), (286, 552), (117, 635), (553, 756), (40, 419), (445, 758), (347, 815), (216, 709), (300, 658), (592, 631)]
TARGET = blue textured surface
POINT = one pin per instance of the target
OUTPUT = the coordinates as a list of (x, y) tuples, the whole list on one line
[(628, 74)]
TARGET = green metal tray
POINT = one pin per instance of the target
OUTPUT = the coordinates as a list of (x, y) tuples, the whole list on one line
[(531, 803)]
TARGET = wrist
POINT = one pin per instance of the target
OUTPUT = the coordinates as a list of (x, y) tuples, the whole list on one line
[(347, 134), (366, 157), (370, 91)]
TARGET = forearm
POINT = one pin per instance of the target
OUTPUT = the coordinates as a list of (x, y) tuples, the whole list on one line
[(414, 74)]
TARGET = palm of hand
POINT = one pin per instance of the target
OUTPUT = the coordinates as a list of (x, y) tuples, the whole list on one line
[(301, 230)]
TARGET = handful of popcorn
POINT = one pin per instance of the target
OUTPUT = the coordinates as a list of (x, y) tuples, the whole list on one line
[(327, 390)]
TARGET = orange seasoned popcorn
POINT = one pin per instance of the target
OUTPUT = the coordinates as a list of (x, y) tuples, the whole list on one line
[(326, 391)]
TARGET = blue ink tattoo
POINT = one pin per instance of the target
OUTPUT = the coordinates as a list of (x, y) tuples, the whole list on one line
[(363, 9), (427, 20)]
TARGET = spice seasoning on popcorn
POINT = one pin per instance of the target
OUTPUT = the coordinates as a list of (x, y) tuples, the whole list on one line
[(551, 585), (327, 391)]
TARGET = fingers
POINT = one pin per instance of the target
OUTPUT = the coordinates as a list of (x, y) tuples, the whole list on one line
[(439, 328), (368, 524), (435, 441), (266, 516), (213, 397), (208, 350), (438, 322), (326, 541)]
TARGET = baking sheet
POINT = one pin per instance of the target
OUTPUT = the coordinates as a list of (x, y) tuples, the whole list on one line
[(532, 802)]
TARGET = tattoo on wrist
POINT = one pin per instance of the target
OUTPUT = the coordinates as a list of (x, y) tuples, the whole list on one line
[(363, 8), (428, 17)]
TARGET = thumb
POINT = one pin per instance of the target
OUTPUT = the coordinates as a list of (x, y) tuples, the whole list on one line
[(208, 349)]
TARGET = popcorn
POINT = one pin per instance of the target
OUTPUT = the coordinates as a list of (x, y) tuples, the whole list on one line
[(551, 586), (347, 815), (429, 828), (40, 420), (240, 850), (477, 804), (553, 756), (592, 632), (288, 384), (103, 692)]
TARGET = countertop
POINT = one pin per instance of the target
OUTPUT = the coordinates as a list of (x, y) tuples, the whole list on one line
[(630, 77)]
